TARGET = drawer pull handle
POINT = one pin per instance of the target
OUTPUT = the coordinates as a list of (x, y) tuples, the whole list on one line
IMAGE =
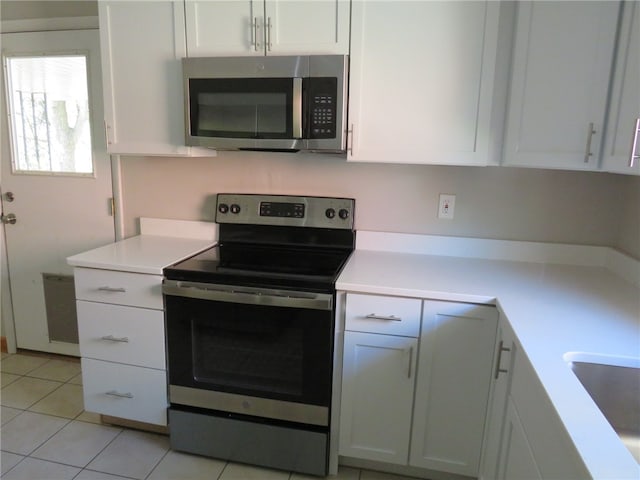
[(115, 393), (111, 338), (374, 316), (112, 289)]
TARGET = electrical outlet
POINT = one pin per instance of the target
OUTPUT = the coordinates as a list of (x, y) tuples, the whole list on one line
[(446, 206)]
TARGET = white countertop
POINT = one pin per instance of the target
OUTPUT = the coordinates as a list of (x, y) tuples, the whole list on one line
[(141, 254), (553, 309)]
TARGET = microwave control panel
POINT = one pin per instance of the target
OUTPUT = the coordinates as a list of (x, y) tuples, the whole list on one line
[(321, 97)]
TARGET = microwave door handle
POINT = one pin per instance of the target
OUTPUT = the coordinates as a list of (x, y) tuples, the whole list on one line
[(297, 107)]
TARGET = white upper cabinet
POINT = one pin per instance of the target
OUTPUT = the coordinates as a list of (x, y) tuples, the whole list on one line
[(224, 28), (264, 27), (422, 81), (622, 139), (562, 59), (307, 27), (141, 45)]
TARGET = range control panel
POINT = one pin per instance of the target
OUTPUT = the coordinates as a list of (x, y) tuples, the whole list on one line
[(285, 210)]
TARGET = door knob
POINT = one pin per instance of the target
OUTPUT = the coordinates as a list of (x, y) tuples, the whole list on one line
[(9, 196), (9, 218)]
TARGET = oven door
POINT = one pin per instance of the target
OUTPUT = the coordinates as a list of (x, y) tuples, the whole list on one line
[(258, 352)]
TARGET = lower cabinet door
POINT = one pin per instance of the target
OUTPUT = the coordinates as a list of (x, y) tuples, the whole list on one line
[(125, 391), (377, 396), (452, 392), (517, 461)]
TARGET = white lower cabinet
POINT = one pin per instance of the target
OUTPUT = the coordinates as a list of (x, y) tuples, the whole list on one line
[(377, 393), (524, 437), (506, 351), (518, 462), (125, 391), (128, 335), (416, 396), (122, 344), (452, 391)]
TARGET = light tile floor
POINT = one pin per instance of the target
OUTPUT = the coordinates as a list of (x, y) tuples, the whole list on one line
[(47, 435)]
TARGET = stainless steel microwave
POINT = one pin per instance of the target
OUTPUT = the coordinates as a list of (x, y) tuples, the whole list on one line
[(279, 103)]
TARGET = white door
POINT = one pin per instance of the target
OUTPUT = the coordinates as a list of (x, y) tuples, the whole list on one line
[(296, 28), (517, 461), (377, 396), (456, 356), (562, 59), (224, 27), (422, 74), (55, 173)]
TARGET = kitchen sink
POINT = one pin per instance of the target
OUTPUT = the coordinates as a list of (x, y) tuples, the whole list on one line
[(614, 385)]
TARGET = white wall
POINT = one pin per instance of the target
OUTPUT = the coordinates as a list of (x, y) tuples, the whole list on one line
[(491, 202), (628, 239)]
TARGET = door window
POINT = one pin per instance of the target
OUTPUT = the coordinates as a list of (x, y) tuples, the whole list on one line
[(49, 114)]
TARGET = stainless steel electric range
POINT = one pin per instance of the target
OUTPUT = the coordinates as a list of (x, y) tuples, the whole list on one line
[(250, 332)]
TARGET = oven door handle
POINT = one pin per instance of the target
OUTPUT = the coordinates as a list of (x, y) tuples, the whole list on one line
[(247, 295)]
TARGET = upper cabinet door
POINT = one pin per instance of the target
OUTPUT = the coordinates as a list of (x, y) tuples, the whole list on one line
[(422, 81), (142, 76), (622, 141), (224, 28), (562, 61), (257, 27), (311, 27)]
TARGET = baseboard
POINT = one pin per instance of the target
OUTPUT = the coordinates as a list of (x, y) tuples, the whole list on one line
[(123, 422), (3, 345)]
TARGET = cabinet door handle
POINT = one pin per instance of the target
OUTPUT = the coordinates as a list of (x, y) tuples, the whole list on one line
[(112, 289), (106, 133), (588, 154), (254, 30), (374, 316), (501, 348), (410, 368), (115, 393), (269, 34), (111, 338), (350, 140), (634, 144)]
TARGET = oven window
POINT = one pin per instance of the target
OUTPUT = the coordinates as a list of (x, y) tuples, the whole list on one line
[(241, 107), (273, 352), (257, 353)]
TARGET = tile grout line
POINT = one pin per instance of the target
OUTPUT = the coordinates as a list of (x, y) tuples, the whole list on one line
[(158, 463), (290, 475)]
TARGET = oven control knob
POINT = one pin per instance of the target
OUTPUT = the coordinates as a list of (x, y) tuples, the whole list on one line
[(330, 212), (223, 208), (235, 208), (343, 213)]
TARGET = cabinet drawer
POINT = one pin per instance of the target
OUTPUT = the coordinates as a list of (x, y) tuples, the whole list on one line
[(124, 391), (121, 334), (387, 315), (122, 288)]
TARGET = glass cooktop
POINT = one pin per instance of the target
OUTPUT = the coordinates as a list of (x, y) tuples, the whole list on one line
[(263, 266)]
